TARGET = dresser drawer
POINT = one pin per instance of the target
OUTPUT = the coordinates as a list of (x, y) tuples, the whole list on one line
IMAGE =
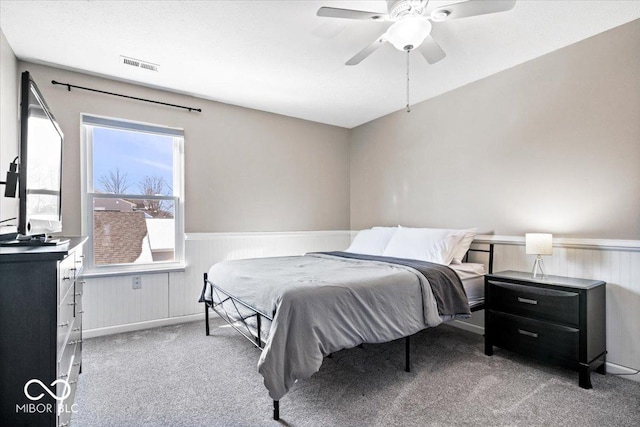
[(79, 261), (67, 407), (534, 337), (66, 275), (539, 303), (78, 290), (65, 360), (65, 319)]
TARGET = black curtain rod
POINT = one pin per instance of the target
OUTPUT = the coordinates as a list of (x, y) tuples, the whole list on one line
[(69, 86)]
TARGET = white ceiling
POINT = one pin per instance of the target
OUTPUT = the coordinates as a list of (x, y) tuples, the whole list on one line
[(278, 56)]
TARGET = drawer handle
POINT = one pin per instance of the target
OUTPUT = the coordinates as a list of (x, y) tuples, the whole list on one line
[(73, 269), (75, 329), (64, 325), (79, 311), (78, 294), (73, 382), (79, 261), (64, 424), (76, 364), (74, 342), (527, 301), (63, 376), (83, 282), (71, 303), (527, 333), (66, 278)]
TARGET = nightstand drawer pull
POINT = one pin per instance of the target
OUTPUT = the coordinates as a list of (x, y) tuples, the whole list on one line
[(527, 300), (527, 333)]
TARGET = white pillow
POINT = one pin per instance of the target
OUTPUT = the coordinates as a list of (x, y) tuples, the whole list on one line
[(372, 241), (464, 245), (425, 244)]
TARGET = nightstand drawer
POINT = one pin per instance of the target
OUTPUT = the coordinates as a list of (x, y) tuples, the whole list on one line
[(540, 303), (534, 337)]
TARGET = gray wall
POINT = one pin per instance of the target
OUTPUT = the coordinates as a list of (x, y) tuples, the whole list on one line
[(550, 145), (245, 170), (8, 124)]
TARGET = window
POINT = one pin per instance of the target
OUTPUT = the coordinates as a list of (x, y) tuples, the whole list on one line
[(133, 189)]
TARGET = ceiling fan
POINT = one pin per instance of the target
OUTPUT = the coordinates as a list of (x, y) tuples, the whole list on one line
[(411, 28)]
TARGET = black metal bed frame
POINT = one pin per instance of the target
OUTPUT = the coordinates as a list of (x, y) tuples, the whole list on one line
[(239, 321)]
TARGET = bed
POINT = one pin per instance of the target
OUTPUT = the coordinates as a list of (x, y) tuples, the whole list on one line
[(391, 283)]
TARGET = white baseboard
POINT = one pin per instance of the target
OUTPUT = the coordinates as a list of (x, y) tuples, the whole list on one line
[(129, 327), (468, 327), (623, 371)]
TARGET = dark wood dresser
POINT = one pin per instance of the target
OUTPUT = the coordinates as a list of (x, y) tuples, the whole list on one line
[(555, 319), (41, 339)]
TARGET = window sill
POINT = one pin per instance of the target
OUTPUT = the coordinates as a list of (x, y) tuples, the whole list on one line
[(132, 270)]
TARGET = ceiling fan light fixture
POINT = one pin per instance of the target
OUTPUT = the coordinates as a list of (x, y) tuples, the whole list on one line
[(399, 8), (409, 32), (440, 15)]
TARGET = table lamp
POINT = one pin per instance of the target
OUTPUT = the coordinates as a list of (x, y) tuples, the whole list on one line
[(538, 244)]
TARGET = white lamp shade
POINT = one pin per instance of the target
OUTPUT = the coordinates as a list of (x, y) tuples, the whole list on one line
[(538, 243), (410, 30)]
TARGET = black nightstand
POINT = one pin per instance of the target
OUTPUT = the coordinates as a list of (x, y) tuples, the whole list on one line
[(553, 319)]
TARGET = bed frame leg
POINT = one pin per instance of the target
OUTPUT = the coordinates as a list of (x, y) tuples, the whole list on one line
[(407, 354), (206, 318), (206, 311), (276, 410)]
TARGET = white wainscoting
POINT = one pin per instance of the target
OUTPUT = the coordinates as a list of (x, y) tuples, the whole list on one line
[(111, 305)]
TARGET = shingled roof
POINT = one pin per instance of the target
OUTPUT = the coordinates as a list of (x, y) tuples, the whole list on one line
[(118, 237)]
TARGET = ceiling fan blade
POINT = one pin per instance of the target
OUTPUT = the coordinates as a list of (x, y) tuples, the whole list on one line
[(471, 8), (332, 12), (358, 57), (431, 50)]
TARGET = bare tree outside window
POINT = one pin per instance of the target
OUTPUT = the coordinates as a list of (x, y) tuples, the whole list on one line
[(155, 186), (116, 182)]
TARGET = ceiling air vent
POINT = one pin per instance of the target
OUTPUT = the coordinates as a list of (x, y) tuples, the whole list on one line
[(139, 64)]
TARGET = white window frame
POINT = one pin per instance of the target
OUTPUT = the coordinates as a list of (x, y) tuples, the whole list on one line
[(87, 123)]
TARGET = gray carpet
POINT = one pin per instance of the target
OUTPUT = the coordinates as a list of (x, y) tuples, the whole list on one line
[(177, 376)]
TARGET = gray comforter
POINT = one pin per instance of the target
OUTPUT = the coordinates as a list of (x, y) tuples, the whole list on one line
[(324, 303)]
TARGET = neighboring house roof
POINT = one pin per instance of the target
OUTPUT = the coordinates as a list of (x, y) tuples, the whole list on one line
[(119, 237)]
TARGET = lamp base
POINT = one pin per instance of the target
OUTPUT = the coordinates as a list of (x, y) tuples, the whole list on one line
[(538, 269)]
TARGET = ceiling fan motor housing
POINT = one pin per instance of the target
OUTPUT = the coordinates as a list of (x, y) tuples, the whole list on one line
[(399, 8)]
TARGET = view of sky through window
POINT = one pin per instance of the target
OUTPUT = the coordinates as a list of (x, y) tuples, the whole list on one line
[(136, 156)]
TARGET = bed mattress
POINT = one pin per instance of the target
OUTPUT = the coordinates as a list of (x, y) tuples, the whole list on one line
[(472, 277)]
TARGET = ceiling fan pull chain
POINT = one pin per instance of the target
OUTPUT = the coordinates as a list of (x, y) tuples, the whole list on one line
[(408, 108)]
